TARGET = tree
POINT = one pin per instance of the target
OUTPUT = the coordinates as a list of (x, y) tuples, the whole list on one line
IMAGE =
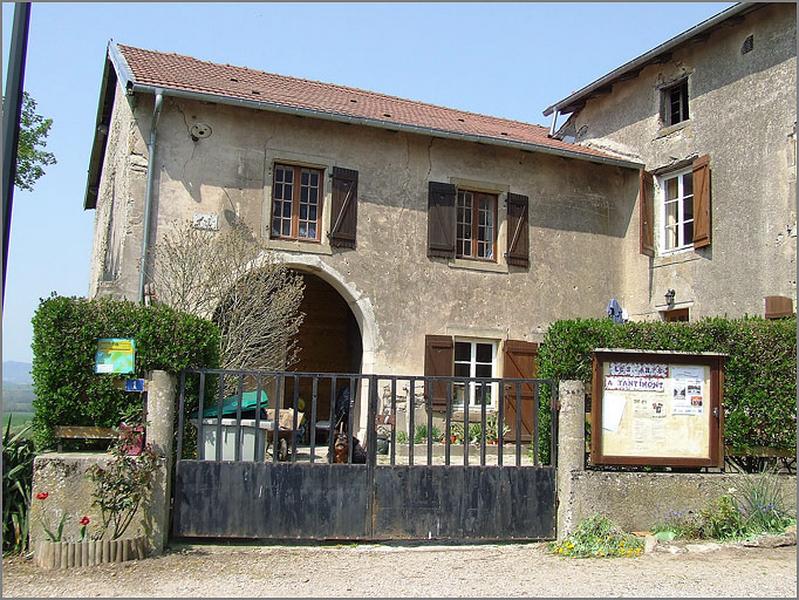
[(229, 277), (31, 156)]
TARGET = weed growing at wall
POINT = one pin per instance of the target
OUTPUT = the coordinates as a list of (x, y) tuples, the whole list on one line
[(598, 537), (65, 333), (760, 372), (755, 506)]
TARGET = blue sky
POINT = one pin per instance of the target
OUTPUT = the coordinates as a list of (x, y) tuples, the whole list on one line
[(508, 60)]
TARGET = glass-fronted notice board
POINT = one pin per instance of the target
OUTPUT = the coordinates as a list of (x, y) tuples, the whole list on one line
[(657, 408)]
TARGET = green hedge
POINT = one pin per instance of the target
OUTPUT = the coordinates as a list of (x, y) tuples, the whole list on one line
[(65, 333), (760, 372)]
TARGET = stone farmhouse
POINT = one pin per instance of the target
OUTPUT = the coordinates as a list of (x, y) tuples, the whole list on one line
[(437, 241)]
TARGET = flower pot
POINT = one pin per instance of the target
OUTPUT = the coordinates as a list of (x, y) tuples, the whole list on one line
[(134, 436), (89, 553)]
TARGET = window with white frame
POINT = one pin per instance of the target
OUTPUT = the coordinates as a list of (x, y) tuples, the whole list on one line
[(677, 211), (475, 358)]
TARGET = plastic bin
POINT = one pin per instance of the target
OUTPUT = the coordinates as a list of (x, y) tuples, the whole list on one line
[(250, 436)]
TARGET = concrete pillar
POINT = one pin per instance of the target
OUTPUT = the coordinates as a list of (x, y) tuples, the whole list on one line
[(160, 434), (571, 449)]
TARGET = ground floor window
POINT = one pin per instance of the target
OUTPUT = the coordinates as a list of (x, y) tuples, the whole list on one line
[(475, 358), (677, 315)]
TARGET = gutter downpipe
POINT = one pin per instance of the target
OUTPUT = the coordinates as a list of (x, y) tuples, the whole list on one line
[(148, 192), (554, 123)]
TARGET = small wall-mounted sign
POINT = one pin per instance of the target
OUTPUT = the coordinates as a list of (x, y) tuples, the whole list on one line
[(115, 355), (134, 385), (205, 221)]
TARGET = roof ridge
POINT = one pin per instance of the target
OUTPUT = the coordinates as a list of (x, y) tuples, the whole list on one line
[(337, 85)]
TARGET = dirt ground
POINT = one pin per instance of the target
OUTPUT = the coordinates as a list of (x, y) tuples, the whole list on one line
[(424, 570)]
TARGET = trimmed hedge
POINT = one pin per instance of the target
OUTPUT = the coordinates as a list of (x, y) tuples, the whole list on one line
[(65, 333), (760, 371)]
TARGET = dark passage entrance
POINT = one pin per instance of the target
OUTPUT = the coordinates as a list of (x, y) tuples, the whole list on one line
[(329, 342)]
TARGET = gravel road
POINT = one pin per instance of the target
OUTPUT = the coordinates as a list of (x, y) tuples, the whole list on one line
[(385, 570)]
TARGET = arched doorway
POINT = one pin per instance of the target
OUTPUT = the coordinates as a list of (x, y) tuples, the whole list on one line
[(329, 341), (329, 338)]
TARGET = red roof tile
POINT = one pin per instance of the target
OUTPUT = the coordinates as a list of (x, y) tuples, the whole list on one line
[(175, 71)]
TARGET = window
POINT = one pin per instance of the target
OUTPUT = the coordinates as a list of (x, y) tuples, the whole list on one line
[(474, 359), (677, 230), (675, 104), (296, 203), (476, 220)]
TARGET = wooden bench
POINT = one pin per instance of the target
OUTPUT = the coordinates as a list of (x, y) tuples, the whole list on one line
[(83, 432)]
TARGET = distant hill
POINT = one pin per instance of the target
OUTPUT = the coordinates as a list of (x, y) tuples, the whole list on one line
[(17, 387), (17, 372)]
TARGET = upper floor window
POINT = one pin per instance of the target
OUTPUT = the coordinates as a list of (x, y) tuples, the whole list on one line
[(677, 228), (476, 225), (296, 203), (675, 103)]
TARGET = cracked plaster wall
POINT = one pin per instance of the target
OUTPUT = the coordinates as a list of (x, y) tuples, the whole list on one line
[(579, 215)]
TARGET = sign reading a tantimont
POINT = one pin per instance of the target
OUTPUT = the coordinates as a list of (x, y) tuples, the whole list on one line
[(657, 408), (115, 355)]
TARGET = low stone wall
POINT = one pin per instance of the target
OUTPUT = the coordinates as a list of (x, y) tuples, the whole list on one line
[(637, 501), (63, 477)]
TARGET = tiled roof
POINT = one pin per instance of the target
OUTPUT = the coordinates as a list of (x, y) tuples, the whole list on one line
[(178, 72)]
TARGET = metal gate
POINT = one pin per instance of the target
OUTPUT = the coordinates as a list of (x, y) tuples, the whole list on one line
[(251, 467)]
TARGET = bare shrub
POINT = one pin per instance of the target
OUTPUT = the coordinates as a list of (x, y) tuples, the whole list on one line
[(229, 277)]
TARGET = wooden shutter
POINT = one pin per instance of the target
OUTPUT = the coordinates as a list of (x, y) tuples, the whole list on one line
[(344, 208), (441, 220), (646, 194), (702, 201), (438, 362), (520, 361), (518, 253)]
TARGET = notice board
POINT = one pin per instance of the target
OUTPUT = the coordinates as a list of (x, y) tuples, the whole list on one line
[(657, 408)]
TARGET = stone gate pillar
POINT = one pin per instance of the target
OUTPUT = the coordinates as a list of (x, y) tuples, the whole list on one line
[(571, 449)]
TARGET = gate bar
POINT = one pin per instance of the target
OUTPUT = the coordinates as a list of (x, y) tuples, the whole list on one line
[(181, 408), (258, 434), (448, 425), (411, 418), (393, 420), (219, 402), (332, 429), (429, 408), (517, 390), (294, 420), (237, 451), (201, 410), (312, 432), (500, 424), (483, 424)]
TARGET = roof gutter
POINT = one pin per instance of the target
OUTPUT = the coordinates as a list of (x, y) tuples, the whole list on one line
[(148, 191), (565, 105), (134, 87)]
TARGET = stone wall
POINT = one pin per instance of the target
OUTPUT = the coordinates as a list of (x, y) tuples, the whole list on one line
[(635, 500), (63, 476)]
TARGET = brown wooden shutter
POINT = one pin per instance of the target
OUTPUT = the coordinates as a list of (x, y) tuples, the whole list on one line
[(702, 224), (647, 233), (520, 361), (441, 220), (518, 231), (438, 362), (344, 208)]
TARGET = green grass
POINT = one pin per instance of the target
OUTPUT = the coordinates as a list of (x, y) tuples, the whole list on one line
[(18, 420)]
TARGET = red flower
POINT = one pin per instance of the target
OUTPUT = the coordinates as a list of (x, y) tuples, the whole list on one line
[(84, 520), (42, 496)]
